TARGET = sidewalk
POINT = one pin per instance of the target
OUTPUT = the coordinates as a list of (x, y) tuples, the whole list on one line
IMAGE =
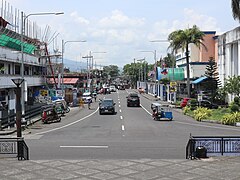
[(11, 130), (218, 168)]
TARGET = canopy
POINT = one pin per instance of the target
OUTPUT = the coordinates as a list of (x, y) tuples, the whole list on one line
[(199, 80), (175, 74), (16, 44), (65, 80)]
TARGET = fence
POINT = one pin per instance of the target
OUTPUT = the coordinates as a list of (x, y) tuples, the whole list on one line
[(14, 146), (11, 119), (218, 145)]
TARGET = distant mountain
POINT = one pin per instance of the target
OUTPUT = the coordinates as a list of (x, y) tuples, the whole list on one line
[(74, 66), (77, 66)]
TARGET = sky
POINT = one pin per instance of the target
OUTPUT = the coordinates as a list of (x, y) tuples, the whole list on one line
[(124, 28)]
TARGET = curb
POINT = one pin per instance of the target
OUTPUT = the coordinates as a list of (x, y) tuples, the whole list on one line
[(5, 133)]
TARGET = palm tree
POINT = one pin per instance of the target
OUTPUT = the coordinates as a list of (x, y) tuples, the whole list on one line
[(236, 9), (180, 39)]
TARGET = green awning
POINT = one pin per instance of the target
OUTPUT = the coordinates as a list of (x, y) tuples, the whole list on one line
[(16, 44), (173, 74)]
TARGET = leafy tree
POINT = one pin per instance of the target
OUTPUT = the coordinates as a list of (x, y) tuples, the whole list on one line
[(111, 70), (180, 39), (236, 9), (212, 74), (232, 85), (169, 61)]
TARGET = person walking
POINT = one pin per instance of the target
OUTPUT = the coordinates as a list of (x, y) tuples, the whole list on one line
[(89, 103), (81, 103)]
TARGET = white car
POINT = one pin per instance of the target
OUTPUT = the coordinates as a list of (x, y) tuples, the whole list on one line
[(87, 97), (112, 89)]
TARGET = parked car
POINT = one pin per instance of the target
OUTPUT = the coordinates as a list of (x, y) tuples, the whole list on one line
[(184, 102), (133, 100), (106, 106), (207, 104), (87, 97), (193, 104), (141, 90)]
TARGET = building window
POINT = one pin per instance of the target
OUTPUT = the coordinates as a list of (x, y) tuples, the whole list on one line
[(26, 70), (1, 68), (17, 69), (9, 69)]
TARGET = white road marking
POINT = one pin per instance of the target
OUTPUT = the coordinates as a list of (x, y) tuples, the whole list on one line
[(68, 124), (84, 147), (198, 125), (121, 117), (123, 128), (120, 110), (119, 105)]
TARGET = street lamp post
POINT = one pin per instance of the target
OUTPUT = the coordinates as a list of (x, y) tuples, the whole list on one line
[(91, 55), (23, 22), (63, 48), (155, 67), (18, 82), (141, 71)]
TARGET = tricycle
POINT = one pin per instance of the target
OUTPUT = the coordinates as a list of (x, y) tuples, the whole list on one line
[(49, 115), (161, 112)]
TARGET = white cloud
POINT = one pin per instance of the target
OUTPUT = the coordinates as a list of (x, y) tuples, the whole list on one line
[(78, 18), (122, 36), (119, 20)]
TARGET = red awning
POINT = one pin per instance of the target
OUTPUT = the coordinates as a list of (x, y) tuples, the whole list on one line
[(65, 80)]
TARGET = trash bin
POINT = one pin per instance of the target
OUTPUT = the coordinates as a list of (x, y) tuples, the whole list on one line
[(201, 152)]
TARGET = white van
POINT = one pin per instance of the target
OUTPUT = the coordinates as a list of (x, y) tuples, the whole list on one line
[(86, 97)]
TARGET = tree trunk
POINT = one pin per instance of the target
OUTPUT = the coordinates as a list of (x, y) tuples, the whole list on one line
[(188, 71)]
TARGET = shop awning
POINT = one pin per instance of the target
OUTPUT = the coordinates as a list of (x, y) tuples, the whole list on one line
[(65, 80), (199, 80)]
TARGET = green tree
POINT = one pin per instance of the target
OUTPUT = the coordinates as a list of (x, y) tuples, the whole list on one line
[(169, 61), (111, 70), (212, 74), (236, 9), (180, 39), (232, 86)]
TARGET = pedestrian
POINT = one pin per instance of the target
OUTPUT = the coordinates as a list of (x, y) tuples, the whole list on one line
[(89, 103), (81, 103)]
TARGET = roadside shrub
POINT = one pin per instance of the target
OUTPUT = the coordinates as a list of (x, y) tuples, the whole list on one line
[(186, 109), (234, 107), (193, 103), (236, 100), (231, 118), (202, 113)]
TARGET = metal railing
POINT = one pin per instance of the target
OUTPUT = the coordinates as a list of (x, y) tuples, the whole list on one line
[(14, 146), (219, 145), (11, 119)]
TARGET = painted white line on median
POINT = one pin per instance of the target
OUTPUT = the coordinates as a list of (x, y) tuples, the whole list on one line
[(121, 117), (55, 129), (214, 127), (199, 125), (123, 128), (120, 110), (84, 147), (146, 110), (119, 105)]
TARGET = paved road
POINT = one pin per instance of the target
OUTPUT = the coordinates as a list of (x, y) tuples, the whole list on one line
[(86, 145), (129, 134)]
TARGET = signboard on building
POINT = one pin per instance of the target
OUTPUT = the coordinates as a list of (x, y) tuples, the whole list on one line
[(43, 92), (173, 86)]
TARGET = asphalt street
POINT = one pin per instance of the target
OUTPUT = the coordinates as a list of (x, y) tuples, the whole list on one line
[(127, 145)]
